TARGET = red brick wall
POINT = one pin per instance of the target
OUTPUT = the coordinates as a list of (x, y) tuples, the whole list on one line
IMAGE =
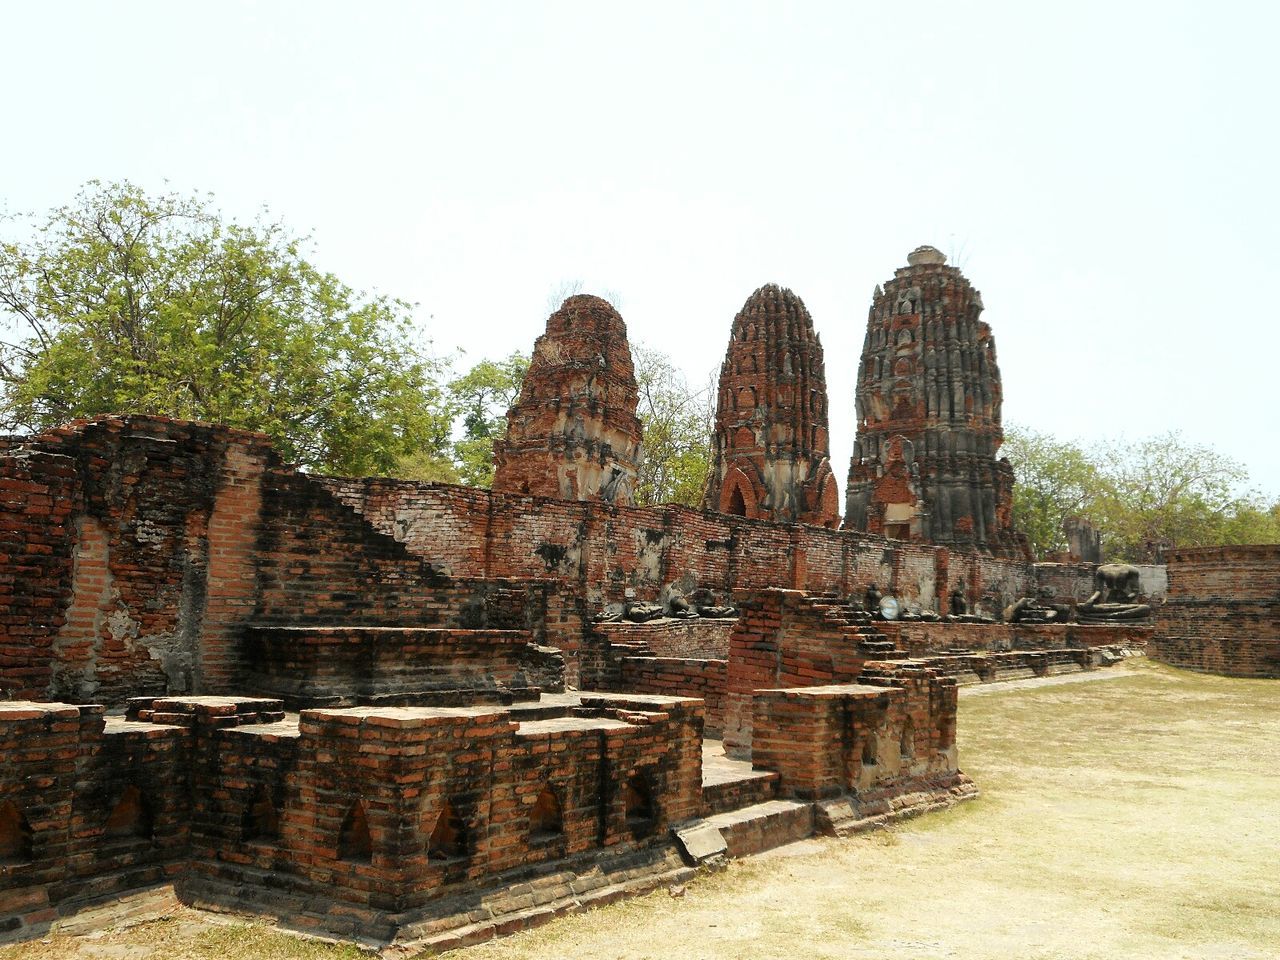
[(829, 740), (782, 639), (66, 768), (695, 638), (609, 549), (1223, 611), (314, 666), (37, 494), (231, 591), (680, 677), (404, 765), (184, 532)]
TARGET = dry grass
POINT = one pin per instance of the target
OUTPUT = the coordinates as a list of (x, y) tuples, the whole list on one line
[(188, 935), (1133, 818)]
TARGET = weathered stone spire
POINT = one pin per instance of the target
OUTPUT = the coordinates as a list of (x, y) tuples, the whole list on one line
[(574, 433), (924, 462), (770, 450)]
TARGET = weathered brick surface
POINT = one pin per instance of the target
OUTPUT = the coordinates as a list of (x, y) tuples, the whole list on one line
[(1223, 611), (37, 495), (403, 768), (891, 733), (770, 449), (233, 795), (695, 638), (680, 677), (600, 552), (141, 548), (146, 488), (313, 666), (784, 639), (67, 770), (573, 433)]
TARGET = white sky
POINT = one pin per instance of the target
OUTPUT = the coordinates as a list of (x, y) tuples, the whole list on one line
[(1106, 173)]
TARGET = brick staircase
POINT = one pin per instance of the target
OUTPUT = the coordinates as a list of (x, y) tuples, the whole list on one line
[(856, 625)]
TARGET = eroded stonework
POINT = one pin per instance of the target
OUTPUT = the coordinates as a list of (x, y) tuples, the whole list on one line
[(924, 462), (574, 433), (771, 456)]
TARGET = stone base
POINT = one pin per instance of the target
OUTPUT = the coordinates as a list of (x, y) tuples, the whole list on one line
[(516, 902), (855, 813)]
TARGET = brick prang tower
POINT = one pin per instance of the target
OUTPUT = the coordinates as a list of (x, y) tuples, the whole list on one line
[(924, 461), (574, 433), (770, 457)]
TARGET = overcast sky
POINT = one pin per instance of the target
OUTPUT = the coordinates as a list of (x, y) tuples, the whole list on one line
[(1106, 174)]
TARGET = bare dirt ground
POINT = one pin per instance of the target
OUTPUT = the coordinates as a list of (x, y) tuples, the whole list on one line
[(1133, 818)]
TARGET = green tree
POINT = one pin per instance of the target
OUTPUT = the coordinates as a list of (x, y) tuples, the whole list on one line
[(677, 432), (1054, 479), (1165, 490), (1251, 519), (124, 302), (480, 399)]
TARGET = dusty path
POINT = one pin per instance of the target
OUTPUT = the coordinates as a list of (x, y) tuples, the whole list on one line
[(1133, 818)]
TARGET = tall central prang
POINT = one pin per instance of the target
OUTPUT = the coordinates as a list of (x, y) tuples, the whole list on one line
[(924, 462)]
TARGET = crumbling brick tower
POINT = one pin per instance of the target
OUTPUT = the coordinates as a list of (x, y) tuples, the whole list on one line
[(574, 433), (924, 462), (770, 457)]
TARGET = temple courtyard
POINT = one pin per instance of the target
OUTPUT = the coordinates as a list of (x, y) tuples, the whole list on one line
[(1125, 813)]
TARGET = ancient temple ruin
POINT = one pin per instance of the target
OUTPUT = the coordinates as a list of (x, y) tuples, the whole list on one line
[(770, 457), (574, 433), (924, 461), (429, 714)]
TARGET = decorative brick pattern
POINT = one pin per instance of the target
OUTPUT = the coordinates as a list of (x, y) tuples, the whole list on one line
[(924, 462), (103, 802), (770, 449)]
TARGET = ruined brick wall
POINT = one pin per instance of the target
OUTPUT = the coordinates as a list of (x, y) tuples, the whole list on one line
[(377, 811), (783, 638), (1222, 614), (770, 448), (880, 740), (924, 461), (573, 433), (180, 534), (95, 806), (37, 491), (606, 551), (335, 815), (696, 639), (921, 639), (1065, 582), (142, 546), (702, 678), (318, 562), (1074, 582), (330, 666), (139, 521)]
